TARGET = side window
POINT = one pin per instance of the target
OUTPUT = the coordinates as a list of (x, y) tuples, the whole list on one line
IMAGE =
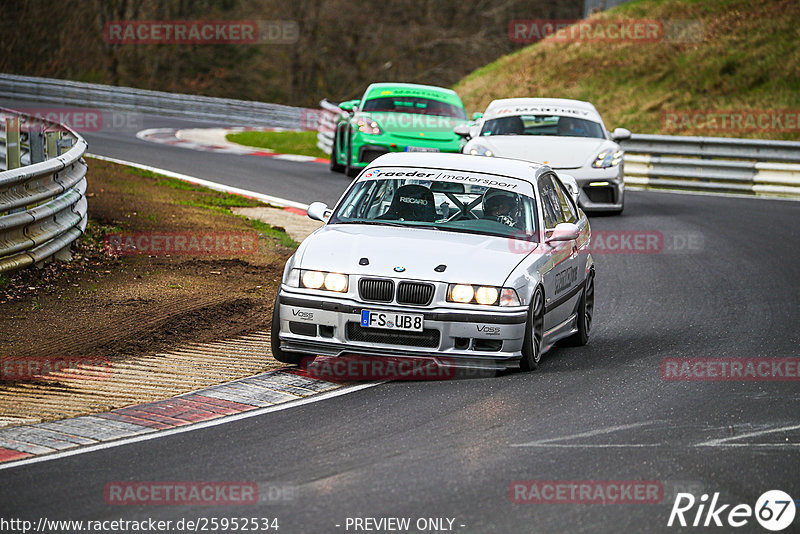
[(567, 208), (550, 203)]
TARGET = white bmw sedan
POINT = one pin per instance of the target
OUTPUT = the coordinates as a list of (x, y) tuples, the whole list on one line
[(567, 135), (454, 258)]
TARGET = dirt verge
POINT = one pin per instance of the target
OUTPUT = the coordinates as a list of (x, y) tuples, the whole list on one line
[(124, 307)]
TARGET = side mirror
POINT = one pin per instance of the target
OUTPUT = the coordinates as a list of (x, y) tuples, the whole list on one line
[(462, 130), (571, 184), (477, 115), (349, 105), (318, 211), (564, 232), (620, 134)]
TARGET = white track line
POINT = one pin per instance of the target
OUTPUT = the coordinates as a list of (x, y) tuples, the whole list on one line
[(189, 428), (723, 442), (601, 431), (275, 201)]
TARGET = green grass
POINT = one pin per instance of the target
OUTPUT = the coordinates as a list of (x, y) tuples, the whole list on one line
[(746, 58), (216, 201), (302, 143), (274, 233)]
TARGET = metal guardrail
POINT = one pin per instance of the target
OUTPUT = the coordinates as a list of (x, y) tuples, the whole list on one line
[(231, 111), (326, 127), (42, 197), (713, 164)]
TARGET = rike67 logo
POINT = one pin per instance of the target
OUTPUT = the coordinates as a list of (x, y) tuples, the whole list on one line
[(774, 510)]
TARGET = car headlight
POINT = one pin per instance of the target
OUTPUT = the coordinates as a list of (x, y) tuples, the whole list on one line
[(483, 295), (608, 158), (480, 150), (368, 126), (323, 280)]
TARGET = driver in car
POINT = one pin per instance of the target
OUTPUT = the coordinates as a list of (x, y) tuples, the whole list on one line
[(501, 206)]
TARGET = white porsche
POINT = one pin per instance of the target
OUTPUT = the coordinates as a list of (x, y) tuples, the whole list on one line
[(567, 135)]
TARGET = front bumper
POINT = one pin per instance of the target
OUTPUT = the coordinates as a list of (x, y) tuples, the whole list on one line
[(368, 147), (601, 190), (327, 326)]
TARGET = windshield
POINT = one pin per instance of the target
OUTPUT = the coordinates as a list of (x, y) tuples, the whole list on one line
[(555, 125), (444, 205), (415, 104)]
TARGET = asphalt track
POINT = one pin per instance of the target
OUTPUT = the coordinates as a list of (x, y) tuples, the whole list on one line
[(451, 449)]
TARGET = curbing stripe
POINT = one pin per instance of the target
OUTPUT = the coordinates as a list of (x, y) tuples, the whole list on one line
[(171, 136), (189, 409), (9, 455), (254, 412)]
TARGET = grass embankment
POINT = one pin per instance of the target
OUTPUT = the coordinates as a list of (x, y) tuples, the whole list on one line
[(745, 57), (301, 143)]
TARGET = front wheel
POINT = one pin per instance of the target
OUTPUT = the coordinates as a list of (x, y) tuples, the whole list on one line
[(349, 170), (335, 165), (294, 358), (534, 330)]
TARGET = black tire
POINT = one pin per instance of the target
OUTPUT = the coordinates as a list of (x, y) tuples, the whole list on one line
[(534, 330), (349, 170), (585, 315), (335, 165), (294, 358)]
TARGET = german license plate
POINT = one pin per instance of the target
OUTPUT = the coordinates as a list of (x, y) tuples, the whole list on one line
[(391, 321), (421, 149)]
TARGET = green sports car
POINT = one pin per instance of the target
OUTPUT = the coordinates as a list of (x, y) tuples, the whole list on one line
[(396, 117)]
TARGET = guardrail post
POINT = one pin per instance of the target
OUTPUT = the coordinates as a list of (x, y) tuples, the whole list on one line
[(36, 140), (51, 143), (63, 143), (12, 143)]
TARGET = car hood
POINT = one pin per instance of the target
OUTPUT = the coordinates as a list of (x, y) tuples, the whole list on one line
[(557, 152), (411, 125), (469, 258)]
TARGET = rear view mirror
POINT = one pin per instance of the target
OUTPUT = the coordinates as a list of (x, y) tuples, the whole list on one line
[(318, 211), (564, 232), (462, 130), (620, 134), (349, 105)]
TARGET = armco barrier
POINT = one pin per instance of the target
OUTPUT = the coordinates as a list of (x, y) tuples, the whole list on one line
[(42, 195), (108, 97), (713, 164)]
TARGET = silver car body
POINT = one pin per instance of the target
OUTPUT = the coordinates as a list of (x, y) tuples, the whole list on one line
[(464, 333), (601, 189)]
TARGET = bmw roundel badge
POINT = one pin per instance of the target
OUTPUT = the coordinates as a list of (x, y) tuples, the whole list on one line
[(399, 269)]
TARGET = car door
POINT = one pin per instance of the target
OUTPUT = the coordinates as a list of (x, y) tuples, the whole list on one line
[(562, 274)]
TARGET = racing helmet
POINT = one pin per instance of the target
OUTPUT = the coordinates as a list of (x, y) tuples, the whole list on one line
[(497, 202)]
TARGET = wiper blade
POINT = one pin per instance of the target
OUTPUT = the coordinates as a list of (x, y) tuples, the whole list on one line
[(374, 222)]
